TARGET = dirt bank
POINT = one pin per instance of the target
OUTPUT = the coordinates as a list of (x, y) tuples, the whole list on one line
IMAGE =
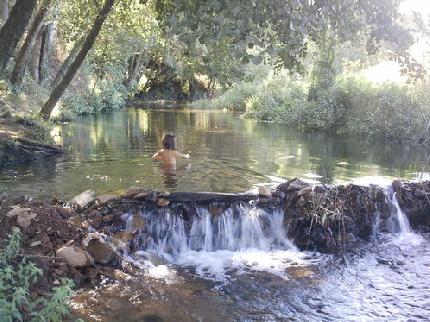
[(24, 140)]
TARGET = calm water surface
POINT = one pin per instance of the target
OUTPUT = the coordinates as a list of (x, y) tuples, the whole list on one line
[(228, 154)]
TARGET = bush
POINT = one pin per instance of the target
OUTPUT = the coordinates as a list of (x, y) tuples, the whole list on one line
[(387, 110), (352, 105), (17, 276)]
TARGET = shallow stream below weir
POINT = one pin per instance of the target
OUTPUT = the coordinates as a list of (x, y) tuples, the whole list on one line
[(239, 265)]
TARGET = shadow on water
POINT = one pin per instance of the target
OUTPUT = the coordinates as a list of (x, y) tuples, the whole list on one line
[(113, 151)]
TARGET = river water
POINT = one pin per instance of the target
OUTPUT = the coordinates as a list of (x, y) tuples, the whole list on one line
[(111, 152), (239, 266)]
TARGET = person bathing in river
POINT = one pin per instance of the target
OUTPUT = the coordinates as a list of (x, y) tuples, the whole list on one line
[(168, 153)]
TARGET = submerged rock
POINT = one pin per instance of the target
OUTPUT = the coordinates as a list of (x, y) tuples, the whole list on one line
[(75, 256), (83, 200)]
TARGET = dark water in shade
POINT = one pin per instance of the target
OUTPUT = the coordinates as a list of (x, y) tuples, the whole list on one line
[(112, 152)]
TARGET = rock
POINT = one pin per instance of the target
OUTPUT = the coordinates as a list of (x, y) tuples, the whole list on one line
[(106, 198), (83, 200), (24, 219), (35, 243), (140, 196), (16, 210), (161, 202), (135, 223), (102, 252), (78, 221), (124, 236), (304, 191), (154, 258), (75, 256), (264, 191), (133, 191), (97, 221), (293, 184)]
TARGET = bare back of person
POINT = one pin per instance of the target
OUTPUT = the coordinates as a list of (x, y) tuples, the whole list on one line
[(168, 157)]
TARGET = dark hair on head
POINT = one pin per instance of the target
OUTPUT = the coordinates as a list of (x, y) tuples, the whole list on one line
[(169, 140)]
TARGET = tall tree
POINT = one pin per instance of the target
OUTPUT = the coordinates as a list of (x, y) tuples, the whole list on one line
[(13, 29), (4, 10), (24, 51), (58, 90)]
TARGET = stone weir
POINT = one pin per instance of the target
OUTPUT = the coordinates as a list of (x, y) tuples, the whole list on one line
[(320, 217), (90, 232)]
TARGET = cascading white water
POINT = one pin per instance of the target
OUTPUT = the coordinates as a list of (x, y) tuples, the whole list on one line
[(399, 215), (237, 228), (397, 221), (241, 238)]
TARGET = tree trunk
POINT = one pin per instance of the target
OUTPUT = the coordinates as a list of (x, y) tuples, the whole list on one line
[(135, 63), (13, 29), (4, 10), (66, 63), (24, 51), (35, 57), (46, 50), (77, 62)]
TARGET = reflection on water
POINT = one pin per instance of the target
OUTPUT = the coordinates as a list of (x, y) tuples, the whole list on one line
[(228, 154)]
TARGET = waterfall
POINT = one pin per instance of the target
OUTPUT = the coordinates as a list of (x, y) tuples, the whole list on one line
[(238, 239), (237, 228), (397, 221), (400, 217)]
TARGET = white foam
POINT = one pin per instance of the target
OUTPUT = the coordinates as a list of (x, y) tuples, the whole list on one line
[(219, 264)]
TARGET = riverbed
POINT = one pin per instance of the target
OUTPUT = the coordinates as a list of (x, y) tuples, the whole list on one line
[(113, 151)]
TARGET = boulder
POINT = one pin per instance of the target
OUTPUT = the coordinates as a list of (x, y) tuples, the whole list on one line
[(24, 219), (16, 210), (106, 198), (75, 256), (102, 252), (264, 191), (83, 200)]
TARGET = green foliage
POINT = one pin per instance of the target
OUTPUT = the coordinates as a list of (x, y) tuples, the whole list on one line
[(352, 105), (17, 276)]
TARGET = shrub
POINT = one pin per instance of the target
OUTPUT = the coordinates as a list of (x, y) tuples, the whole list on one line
[(352, 105), (17, 276)]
